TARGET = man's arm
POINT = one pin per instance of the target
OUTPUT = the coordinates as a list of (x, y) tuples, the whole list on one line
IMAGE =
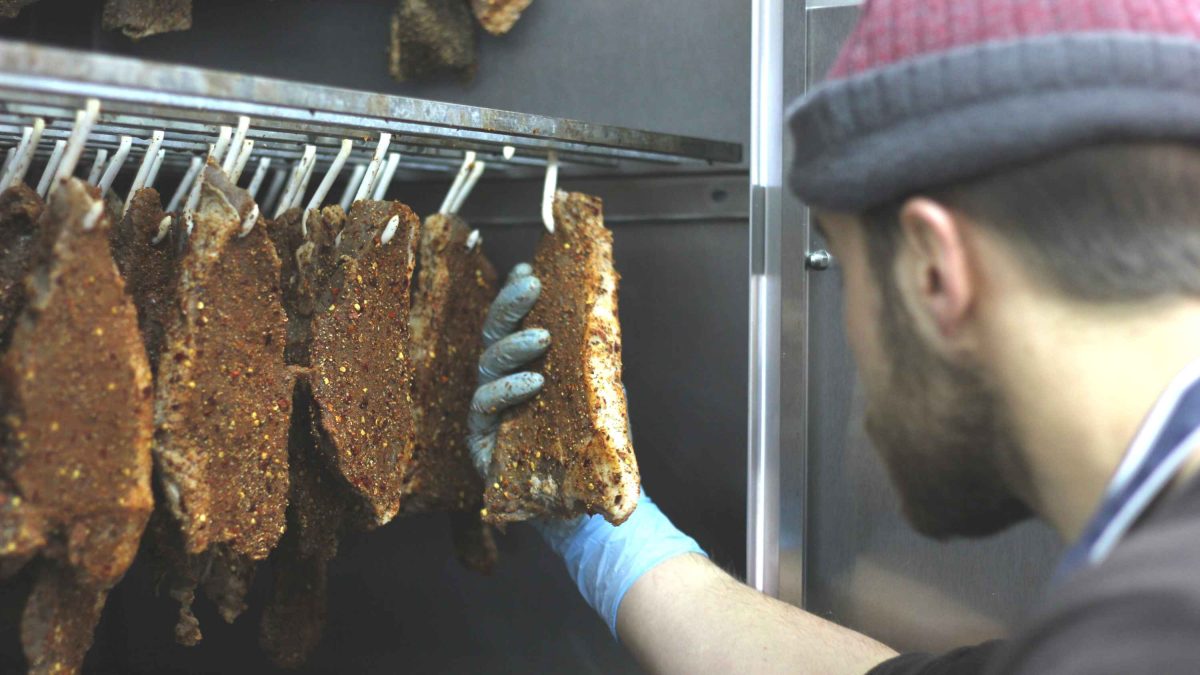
[(686, 615)]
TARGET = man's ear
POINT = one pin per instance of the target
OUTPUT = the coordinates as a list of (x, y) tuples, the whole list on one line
[(934, 267)]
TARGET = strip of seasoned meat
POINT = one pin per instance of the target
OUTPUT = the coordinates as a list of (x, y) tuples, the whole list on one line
[(361, 376), (142, 18), (498, 16), (20, 208), (224, 396), (146, 247), (453, 290), (432, 37), (78, 427), (568, 451), (352, 430), (9, 9)]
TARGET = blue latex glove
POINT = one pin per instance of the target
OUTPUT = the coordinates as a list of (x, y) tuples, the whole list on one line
[(603, 560)]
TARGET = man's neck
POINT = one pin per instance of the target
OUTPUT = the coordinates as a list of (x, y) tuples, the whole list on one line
[(1080, 382)]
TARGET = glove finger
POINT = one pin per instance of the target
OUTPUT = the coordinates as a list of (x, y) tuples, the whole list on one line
[(513, 303), (507, 392), (519, 271), (512, 353), (481, 447)]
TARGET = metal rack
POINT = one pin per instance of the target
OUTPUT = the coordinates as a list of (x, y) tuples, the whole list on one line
[(190, 104)]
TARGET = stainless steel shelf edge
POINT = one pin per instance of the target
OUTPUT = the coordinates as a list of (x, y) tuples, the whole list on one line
[(59, 72)]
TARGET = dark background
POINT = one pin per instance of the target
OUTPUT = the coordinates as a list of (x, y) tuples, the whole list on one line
[(398, 600)]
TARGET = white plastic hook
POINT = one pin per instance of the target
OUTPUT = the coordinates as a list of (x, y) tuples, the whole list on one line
[(139, 181), (249, 221), (297, 177), (464, 172), (385, 178), (155, 166), (465, 189), (185, 185), (509, 151), (326, 185), (84, 121), (115, 164), (260, 174), (224, 136), (97, 166), (239, 165), (389, 230), (230, 158), (368, 182), (93, 215), (43, 186), (352, 185), (30, 138), (308, 174), (549, 190), (474, 239)]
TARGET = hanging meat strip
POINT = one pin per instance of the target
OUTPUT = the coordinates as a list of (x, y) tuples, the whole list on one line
[(142, 18), (9, 9), (20, 208), (432, 37), (498, 16), (224, 397), (453, 291), (568, 451), (352, 434), (147, 246), (361, 378), (78, 428)]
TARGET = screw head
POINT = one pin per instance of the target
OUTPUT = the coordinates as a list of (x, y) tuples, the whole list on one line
[(818, 260)]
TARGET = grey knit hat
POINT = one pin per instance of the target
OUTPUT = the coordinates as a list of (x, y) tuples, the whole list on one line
[(927, 93)]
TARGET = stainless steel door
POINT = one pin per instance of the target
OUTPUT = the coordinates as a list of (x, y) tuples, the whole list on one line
[(847, 553)]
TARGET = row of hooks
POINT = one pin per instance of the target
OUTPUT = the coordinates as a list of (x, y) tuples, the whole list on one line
[(232, 149)]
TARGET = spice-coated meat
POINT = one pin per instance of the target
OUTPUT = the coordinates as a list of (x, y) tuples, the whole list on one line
[(431, 37), (294, 617), (308, 258), (224, 393), (143, 18), (452, 293), (9, 9), (78, 427), (498, 16), (146, 247), (361, 376), (568, 451), (20, 208)]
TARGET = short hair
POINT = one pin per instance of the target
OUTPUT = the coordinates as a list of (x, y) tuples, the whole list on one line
[(1117, 222)]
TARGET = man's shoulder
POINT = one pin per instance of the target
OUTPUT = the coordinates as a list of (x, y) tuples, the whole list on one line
[(1138, 611)]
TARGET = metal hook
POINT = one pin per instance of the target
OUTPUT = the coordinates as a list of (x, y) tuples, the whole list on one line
[(84, 121), (368, 182), (327, 183), (243, 156), (154, 167), (139, 180), (385, 178), (352, 185), (115, 164), (549, 190), (186, 184), (43, 187), (260, 174), (467, 186), (464, 172), (235, 147)]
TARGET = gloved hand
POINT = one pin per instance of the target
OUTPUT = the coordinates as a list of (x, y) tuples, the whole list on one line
[(603, 560)]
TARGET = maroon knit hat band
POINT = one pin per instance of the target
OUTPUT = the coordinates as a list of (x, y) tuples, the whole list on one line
[(891, 31)]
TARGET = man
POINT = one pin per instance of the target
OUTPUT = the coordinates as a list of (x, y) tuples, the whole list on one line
[(1012, 188)]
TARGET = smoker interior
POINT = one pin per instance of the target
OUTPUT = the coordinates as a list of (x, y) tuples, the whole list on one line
[(399, 601)]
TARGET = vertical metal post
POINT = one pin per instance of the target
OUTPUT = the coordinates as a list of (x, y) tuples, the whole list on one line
[(766, 184)]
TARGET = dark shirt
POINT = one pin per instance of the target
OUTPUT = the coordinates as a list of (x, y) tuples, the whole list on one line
[(1136, 612)]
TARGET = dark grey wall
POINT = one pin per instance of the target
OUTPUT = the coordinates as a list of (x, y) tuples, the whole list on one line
[(399, 601)]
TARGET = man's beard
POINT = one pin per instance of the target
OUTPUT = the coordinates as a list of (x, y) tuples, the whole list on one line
[(944, 433)]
